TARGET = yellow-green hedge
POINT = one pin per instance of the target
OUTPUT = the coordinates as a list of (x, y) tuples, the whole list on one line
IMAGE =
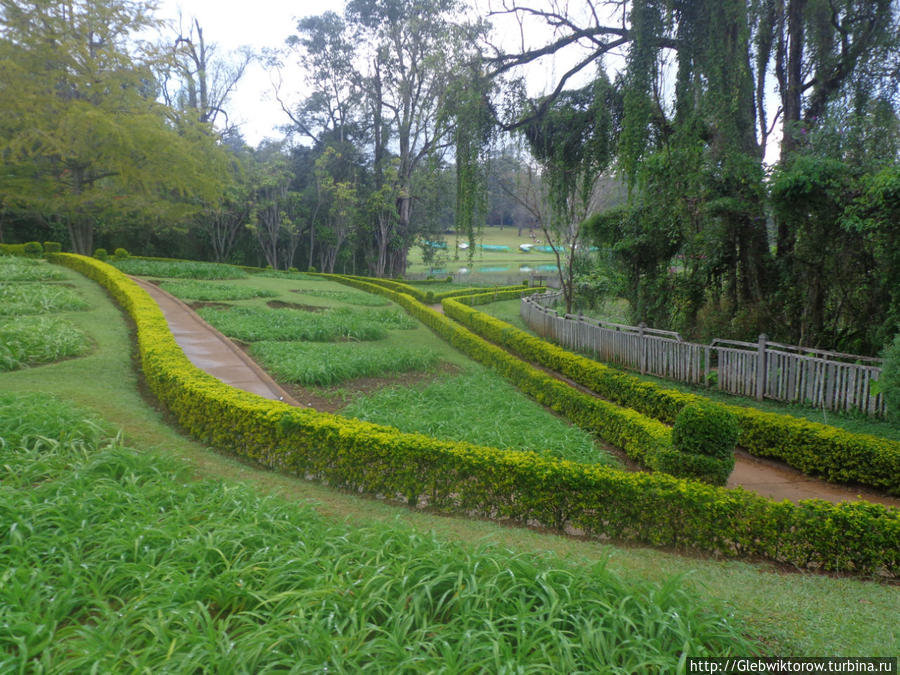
[(522, 487), (816, 449)]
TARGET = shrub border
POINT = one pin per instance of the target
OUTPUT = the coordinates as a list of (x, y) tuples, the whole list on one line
[(813, 448), (523, 487)]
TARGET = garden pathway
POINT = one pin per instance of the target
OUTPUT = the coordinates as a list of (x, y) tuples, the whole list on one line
[(211, 351)]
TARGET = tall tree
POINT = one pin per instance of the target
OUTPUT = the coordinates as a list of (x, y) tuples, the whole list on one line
[(83, 138)]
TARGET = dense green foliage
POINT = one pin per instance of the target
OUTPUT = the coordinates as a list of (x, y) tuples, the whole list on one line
[(33, 340), (705, 429), (26, 298), (254, 324), (320, 364), (813, 448), (179, 269), (206, 291), (25, 269), (480, 408), (236, 581)]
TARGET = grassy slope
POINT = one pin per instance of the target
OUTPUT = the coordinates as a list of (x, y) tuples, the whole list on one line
[(796, 614), (508, 310)]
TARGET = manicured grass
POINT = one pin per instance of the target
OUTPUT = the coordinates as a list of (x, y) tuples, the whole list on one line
[(20, 298), (798, 614), (27, 269), (253, 324), (30, 341), (309, 363), (349, 297), (855, 422), (212, 291), (115, 562), (482, 408), (178, 269)]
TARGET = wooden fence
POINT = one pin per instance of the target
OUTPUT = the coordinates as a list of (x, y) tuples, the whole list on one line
[(762, 369)]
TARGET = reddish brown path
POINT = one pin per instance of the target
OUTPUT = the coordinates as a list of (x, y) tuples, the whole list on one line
[(211, 351)]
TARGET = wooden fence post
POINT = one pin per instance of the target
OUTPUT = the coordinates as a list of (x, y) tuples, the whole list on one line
[(761, 367), (641, 327)]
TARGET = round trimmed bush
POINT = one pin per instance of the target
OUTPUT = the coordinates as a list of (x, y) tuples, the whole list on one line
[(33, 249), (120, 254), (101, 254), (52, 247), (705, 429)]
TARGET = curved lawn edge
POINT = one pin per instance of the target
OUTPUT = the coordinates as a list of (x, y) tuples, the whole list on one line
[(522, 487)]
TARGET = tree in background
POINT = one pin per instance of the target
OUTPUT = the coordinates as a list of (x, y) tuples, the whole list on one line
[(82, 137)]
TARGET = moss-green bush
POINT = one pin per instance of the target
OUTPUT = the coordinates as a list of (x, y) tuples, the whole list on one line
[(705, 429), (101, 254), (33, 249), (120, 254), (52, 247)]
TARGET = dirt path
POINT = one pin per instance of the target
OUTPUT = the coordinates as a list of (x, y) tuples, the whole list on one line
[(211, 351)]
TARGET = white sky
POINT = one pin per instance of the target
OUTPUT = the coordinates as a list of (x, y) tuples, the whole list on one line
[(258, 24), (263, 24)]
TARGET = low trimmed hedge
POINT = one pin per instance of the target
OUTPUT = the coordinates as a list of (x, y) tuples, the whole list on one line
[(815, 449), (523, 487), (30, 249), (427, 297)]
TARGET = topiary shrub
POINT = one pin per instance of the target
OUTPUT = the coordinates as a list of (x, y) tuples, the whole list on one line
[(120, 254), (705, 429), (101, 254), (33, 249), (312, 269), (450, 279), (52, 247), (429, 298)]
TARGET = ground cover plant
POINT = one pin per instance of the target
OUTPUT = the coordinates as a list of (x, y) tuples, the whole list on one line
[(254, 324), (116, 562), (178, 269), (803, 614), (15, 268), (34, 340), (349, 297), (211, 291), (18, 298), (310, 363), (479, 407)]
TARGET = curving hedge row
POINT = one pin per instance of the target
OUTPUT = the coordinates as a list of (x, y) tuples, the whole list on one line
[(813, 448), (654, 509), (429, 297)]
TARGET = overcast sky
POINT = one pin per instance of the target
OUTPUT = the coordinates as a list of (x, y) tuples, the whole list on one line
[(263, 24), (257, 24)]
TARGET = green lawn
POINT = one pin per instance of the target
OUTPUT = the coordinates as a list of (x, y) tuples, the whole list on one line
[(791, 613)]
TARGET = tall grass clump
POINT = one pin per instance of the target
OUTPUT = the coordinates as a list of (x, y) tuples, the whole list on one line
[(26, 298), (178, 269), (27, 269), (30, 341), (310, 363), (255, 324), (211, 291), (114, 562), (479, 407), (349, 297)]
